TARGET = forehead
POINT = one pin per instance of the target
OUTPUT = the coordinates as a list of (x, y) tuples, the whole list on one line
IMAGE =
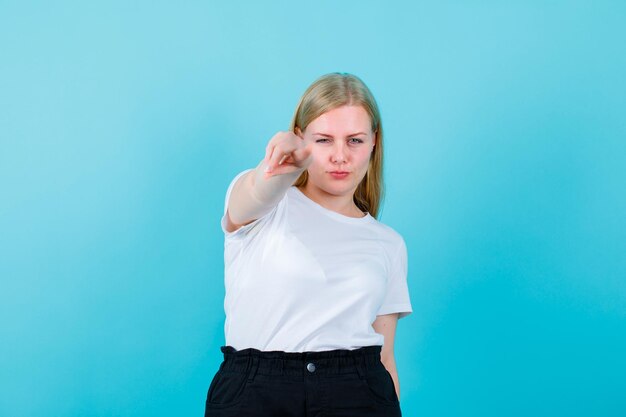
[(342, 120)]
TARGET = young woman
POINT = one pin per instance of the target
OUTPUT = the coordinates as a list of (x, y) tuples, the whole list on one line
[(315, 284)]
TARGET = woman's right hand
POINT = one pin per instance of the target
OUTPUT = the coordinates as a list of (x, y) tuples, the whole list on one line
[(286, 152)]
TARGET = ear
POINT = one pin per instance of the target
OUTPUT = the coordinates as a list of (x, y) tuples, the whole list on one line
[(298, 131)]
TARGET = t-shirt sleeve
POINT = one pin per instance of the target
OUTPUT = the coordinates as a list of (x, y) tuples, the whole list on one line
[(247, 229), (397, 299)]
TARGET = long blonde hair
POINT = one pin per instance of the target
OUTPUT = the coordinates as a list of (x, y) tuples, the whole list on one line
[(340, 89)]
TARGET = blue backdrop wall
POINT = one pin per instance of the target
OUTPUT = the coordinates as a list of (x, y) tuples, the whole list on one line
[(122, 123)]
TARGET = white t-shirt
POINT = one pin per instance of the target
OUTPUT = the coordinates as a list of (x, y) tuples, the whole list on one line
[(306, 278)]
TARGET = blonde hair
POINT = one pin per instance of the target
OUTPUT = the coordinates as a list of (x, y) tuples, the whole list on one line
[(340, 89)]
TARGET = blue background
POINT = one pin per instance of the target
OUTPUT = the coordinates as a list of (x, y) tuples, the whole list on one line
[(122, 123)]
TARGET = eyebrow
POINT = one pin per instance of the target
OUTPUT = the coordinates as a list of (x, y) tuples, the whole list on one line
[(326, 134)]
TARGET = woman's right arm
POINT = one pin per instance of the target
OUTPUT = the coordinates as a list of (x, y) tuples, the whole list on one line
[(258, 191)]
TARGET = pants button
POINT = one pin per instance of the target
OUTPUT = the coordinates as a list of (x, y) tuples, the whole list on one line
[(310, 367)]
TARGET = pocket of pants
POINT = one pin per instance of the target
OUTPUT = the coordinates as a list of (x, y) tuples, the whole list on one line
[(226, 389), (381, 388)]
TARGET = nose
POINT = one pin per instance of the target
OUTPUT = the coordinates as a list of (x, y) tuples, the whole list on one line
[(339, 155)]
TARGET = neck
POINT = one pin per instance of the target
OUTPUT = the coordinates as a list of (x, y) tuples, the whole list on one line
[(342, 204)]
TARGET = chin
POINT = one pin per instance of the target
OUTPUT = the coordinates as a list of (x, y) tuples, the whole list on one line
[(338, 189)]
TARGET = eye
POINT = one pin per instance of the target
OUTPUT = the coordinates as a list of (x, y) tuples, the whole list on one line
[(321, 140), (357, 140)]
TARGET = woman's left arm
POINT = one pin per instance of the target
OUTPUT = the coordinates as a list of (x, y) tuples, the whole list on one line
[(386, 325)]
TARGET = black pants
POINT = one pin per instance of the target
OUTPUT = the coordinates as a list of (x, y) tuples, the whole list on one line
[(333, 383)]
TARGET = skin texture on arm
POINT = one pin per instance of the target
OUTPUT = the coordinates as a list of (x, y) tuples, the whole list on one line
[(254, 195), (386, 325), (258, 191)]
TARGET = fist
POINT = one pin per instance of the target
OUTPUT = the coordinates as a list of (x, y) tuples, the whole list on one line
[(286, 152)]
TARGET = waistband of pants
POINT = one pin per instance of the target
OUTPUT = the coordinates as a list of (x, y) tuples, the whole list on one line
[(329, 362)]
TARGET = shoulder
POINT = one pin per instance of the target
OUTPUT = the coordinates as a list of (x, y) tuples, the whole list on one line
[(391, 243), (387, 234)]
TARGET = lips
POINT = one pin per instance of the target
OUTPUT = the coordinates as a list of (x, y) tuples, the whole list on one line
[(339, 174)]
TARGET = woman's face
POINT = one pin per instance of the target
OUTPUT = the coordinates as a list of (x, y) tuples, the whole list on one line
[(342, 143)]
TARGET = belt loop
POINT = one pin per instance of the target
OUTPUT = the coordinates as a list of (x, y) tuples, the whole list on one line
[(252, 367), (361, 364)]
